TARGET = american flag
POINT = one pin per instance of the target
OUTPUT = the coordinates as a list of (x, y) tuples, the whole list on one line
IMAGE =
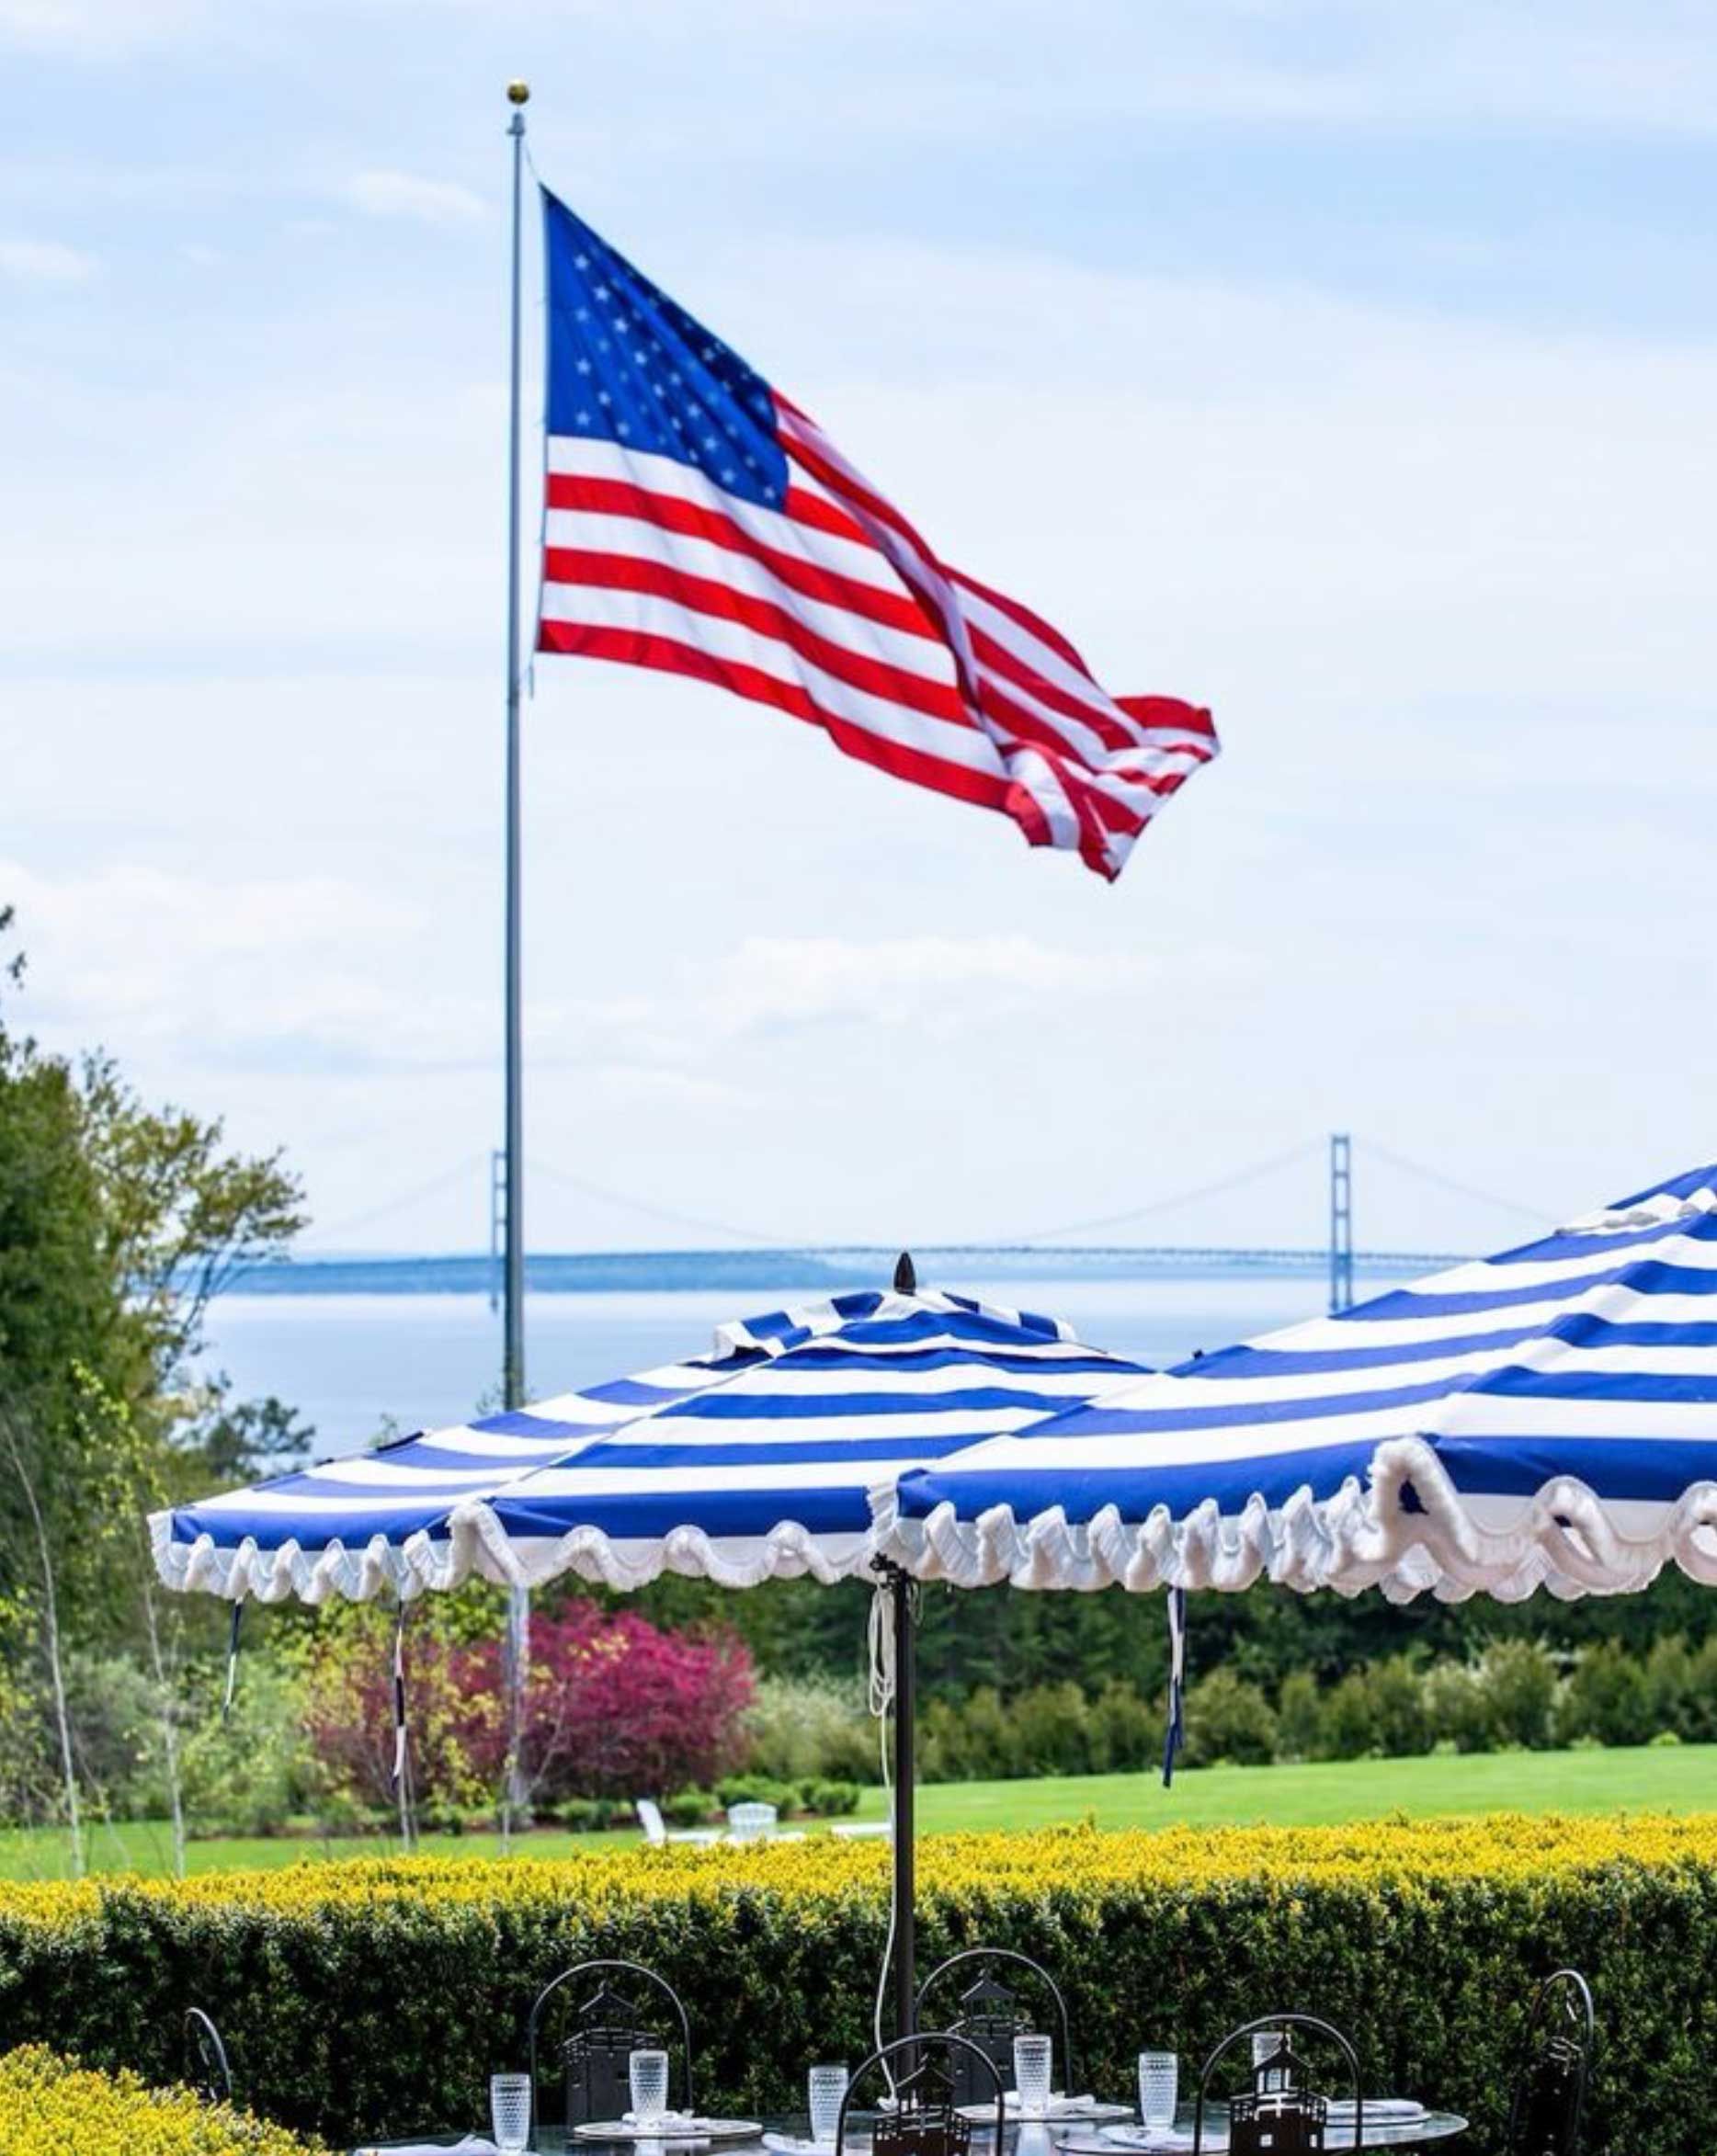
[(698, 521)]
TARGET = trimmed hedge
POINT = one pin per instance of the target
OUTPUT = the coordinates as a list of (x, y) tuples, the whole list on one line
[(377, 1996), (50, 2107)]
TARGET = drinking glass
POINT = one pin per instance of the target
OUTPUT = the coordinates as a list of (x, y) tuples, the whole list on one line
[(1033, 2063), (827, 2086), (1159, 2087), (510, 2111), (648, 2073)]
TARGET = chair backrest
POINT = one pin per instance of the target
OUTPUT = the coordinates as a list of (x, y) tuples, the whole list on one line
[(1280, 2113), (925, 2118), (608, 2027), (211, 2072), (751, 1822), (650, 1819), (1556, 2065), (989, 2015)]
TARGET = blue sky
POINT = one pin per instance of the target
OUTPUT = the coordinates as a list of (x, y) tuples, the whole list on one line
[(1351, 369)]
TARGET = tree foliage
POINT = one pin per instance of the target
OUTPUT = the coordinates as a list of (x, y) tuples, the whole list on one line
[(615, 1707), (119, 1220)]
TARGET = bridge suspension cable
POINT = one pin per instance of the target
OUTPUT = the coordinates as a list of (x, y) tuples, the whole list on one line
[(665, 1213), (648, 1208), (1409, 1167), (1238, 1180)]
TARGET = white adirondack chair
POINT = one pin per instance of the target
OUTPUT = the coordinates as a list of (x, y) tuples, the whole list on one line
[(655, 1832)]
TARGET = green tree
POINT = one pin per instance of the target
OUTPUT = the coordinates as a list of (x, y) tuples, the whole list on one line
[(118, 1222)]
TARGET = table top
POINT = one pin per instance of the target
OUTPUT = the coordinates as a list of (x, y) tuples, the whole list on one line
[(1028, 2139), (1381, 2132)]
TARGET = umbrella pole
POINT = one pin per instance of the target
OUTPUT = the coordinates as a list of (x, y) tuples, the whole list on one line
[(905, 1709)]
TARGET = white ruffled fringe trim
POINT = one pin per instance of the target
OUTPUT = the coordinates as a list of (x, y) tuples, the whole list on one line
[(1561, 1539), (478, 1545)]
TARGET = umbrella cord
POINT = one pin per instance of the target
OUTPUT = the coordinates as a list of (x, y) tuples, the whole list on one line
[(232, 1664), (1176, 1730)]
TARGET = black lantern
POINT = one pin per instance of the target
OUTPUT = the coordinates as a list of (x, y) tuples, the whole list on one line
[(991, 2016), (1280, 2114), (607, 2029), (596, 2059), (924, 2119)]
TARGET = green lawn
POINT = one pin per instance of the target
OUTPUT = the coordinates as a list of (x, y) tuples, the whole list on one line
[(1670, 1779)]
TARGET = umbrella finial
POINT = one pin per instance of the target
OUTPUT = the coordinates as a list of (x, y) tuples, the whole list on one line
[(905, 1274)]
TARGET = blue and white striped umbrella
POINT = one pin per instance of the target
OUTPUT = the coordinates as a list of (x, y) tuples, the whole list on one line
[(1544, 1418), (749, 1464)]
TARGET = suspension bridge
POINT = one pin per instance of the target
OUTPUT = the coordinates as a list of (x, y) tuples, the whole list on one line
[(745, 1257)]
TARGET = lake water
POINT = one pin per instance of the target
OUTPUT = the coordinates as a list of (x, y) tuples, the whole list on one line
[(353, 1365)]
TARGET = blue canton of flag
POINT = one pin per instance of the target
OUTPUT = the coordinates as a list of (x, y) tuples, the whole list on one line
[(628, 365), (698, 522)]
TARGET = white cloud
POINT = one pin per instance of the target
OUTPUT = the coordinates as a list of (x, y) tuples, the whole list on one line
[(96, 30), (44, 262), (201, 972), (939, 984), (409, 195)]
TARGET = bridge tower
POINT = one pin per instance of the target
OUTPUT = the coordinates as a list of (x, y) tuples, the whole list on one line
[(1340, 1223), (498, 1223)]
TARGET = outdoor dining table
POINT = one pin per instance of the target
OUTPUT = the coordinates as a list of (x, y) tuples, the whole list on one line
[(1025, 2138)]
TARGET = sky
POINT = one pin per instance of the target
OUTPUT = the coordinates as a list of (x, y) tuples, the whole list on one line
[(1350, 369)]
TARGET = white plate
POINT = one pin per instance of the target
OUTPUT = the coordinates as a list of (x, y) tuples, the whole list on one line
[(1060, 2111), (689, 2129), (791, 2145), (1385, 2110)]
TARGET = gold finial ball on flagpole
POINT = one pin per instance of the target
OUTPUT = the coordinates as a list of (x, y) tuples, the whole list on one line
[(518, 93)]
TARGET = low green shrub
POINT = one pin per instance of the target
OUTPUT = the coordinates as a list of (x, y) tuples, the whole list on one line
[(51, 2107), (1126, 1730), (591, 1815), (829, 1799), (1608, 1698), (1229, 1721), (811, 1727), (1050, 1730), (378, 1995), (756, 1789), (688, 1807)]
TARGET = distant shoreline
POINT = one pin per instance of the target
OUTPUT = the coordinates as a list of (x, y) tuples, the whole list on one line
[(660, 1271)]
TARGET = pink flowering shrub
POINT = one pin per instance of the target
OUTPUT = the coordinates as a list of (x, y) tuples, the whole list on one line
[(615, 1707)]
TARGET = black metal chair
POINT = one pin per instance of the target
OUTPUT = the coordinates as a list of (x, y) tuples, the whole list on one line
[(1280, 2113), (924, 2117), (1556, 2065), (607, 2027), (211, 2071), (990, 2016)]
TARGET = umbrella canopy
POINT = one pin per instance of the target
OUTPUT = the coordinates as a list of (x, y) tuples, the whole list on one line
[(1543, 1418), (748, 1464)]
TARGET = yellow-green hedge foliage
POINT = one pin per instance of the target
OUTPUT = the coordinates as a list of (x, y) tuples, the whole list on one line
[(377, 1996), (50, 2107)]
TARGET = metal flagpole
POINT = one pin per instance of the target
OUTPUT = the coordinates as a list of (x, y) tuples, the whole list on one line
[(513, 1266)]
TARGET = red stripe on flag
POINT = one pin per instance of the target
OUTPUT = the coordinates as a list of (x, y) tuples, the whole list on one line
[(703, 594), (1033, 624), (636, 648), (613, 497), (1171, 713)]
